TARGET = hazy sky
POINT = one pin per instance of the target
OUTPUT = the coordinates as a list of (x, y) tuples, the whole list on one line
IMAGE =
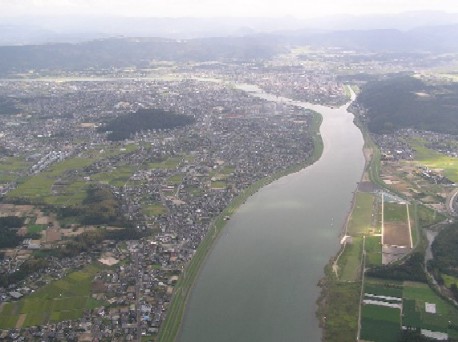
[(209, 8)]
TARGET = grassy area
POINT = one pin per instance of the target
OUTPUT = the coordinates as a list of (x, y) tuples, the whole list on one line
[(383, 288), (373, 247), (347, 90), (175, 179), (379, 329), (63, 299), (10, 168), (116, 177), (350, 260), (38, 188), (195, 191), (361, 216), (435, 160), (381, 323), (382, 313), (415, 296), (395, 212), (374, 165), (449, 280), (154, 209), (36, 228), (171, 325), (338, 309), (219, 185), (170, 163)]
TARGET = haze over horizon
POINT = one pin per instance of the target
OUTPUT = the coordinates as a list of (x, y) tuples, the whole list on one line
[(218, 8)]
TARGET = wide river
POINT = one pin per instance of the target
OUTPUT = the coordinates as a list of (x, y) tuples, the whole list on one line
[(259, 282)]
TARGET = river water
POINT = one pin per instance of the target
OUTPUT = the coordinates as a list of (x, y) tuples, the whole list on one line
[(259, 283)]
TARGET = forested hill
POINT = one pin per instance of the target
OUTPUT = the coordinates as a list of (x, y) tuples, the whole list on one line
[(122, 52), (408, 102), (144, 119)]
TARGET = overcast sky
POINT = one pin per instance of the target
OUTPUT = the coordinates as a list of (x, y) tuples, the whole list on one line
[(221, 8)]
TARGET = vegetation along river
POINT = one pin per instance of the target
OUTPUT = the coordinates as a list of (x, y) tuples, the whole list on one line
[(259, 282)]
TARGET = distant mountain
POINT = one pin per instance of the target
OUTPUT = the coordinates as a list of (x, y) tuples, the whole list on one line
[(31, 31), (432, 39), (401, 21), (40, 30), (122, 52)]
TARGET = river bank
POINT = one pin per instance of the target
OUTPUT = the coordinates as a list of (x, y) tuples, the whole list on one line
[(338, 303), (259, 282), (172, 324)]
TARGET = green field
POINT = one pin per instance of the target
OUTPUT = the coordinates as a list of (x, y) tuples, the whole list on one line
[(63, 299), (361, 216), (395, 212), (175, 179), (153, 209), (116, 177), (38, 188), (219, 185), (416, 295), (350, 260), (449, 280), (379, 330), (12, 164), (383, 288), (36, 228), (381, 313), (377, 321), (435, 160), (340, 309), (10, 167), (380, 323), (170, 163), (373, 247)]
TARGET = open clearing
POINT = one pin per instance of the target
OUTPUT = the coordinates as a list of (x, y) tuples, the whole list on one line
[(361, 216), (435, 160), (396, 234), (63, 299)]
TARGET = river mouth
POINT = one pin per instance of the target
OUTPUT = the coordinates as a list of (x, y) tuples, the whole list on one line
[(259, 282)]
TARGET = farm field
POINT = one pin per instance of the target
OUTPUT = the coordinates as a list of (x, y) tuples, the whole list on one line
[(10, 167), (63, 299), (395, 212), (396, 230), (373, 248), (71, 190), (36, 228), (170, 163), (381, 323), (116, 177), (415, 296), (435, 160)]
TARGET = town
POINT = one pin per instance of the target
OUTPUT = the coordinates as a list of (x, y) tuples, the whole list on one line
[(169, 186)]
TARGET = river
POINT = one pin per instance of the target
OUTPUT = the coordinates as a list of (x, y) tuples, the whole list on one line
[(259, 282)]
